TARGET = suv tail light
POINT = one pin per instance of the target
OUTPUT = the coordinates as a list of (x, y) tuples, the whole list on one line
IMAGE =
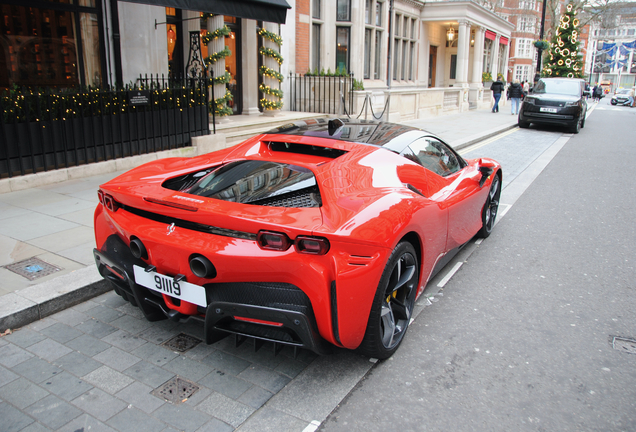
[(311, 245), (269, 240)]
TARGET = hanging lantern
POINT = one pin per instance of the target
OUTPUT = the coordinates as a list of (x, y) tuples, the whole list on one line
[(172, 41)]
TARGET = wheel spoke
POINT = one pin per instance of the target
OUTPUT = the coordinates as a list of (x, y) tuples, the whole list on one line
[(388, 325)]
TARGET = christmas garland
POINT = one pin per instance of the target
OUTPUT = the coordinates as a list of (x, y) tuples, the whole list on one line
[(268, 104), (213, 58), (271, 36), (271, 53), (264, 70), (205, 16), (223, 31), (223, 79), (271, 105), (270, 91), (220, 104)]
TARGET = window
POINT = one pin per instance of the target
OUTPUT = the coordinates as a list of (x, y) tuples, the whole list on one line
[(342, 48), (405, 37), (524, 48), (630, 32), (316, 9), (435, 156), (527, 4), (373, 38), (453, 66), (526, 24), (343, 8), (316, 34), (523, 73), (315, 46)]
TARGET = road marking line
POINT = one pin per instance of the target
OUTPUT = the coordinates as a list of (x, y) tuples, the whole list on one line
[(449, 275), (315, 424)]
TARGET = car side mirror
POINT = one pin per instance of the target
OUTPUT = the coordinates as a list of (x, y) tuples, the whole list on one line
[(486, 168)]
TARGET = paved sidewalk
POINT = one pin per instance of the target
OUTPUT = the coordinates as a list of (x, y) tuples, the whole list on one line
[(53, 224)]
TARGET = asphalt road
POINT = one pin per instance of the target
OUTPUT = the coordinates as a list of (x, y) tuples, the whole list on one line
[(523, 337)]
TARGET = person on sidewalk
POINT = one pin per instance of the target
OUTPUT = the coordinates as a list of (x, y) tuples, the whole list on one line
[(630, 100), (526, 87), (497, 88), (514, 94), (598, 92)]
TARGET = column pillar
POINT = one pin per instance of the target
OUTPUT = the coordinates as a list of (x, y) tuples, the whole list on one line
[(478, 55), (249, 63), (463, 44), (495, 58)]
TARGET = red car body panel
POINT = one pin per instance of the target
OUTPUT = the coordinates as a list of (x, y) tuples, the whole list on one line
[(366, 211)]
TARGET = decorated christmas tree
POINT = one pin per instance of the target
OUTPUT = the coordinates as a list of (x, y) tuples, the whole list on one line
[(564, 56)]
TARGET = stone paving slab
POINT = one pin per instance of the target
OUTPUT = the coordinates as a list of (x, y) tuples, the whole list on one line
[(72, 370)]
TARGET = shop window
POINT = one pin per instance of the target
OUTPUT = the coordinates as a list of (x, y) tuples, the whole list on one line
[(50, 48)]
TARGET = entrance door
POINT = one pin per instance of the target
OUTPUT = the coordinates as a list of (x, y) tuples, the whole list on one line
[(233, 64), (432, 65)]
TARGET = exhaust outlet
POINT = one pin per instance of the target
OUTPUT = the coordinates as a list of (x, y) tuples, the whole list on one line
[(202, 267), (138, 249)]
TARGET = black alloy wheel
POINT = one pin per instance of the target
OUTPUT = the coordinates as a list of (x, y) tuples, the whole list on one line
[(393, 303), (489, 213)]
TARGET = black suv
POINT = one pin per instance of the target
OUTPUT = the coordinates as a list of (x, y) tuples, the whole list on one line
[(559, 101)]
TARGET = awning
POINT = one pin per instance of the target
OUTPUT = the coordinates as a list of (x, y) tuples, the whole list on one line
[(261, 10), (490, 35), (503, 40)]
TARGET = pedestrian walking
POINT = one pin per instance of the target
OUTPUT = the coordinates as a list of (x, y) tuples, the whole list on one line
[(526, 87), (514, 94), (630, 100), (497, 88), (598, 92)]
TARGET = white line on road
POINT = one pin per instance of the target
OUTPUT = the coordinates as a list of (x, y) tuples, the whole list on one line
[(450, 274), (311, 427)]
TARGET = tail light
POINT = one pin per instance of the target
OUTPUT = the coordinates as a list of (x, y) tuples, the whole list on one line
[(107, 201), (311, 245), (269, 240)]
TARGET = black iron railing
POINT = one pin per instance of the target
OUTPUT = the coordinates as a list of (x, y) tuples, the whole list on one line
[(42, 130), (321, 94)]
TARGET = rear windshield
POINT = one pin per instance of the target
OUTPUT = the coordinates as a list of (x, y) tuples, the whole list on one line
[(562, 86), (253, 181)]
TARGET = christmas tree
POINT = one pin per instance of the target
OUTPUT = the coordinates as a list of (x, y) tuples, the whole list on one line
[(565, 59)]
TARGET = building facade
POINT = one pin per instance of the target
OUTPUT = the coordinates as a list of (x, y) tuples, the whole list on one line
[(391, 46), (611, 59)]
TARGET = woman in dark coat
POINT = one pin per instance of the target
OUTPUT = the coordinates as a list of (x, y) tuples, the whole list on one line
[(515, 93), (497, 88)]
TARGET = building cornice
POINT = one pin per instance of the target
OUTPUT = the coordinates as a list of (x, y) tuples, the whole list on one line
[(454, 10)]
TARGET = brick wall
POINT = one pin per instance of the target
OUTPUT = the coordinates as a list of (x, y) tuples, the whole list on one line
[(302, 36)]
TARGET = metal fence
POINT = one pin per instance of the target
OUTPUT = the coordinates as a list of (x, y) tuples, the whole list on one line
[(53, 129), (321, 94)]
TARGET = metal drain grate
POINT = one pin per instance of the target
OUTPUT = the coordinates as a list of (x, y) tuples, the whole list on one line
[(182, 342), (176, 390), (624, 345), (32, 268)]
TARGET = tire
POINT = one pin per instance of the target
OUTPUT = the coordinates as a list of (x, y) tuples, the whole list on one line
[(489, 212), (583, 122), (576, 127), (393, 303), (523, 125), (613, 102)]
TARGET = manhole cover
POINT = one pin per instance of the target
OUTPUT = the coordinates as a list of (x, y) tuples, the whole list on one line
[(176, 390), (32, 268), (182, 342), (624, 345)]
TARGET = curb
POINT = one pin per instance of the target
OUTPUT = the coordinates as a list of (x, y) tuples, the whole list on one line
[(31, 304), (463, 143)]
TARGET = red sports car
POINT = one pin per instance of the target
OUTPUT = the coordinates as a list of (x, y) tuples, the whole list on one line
[(318, 232)]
